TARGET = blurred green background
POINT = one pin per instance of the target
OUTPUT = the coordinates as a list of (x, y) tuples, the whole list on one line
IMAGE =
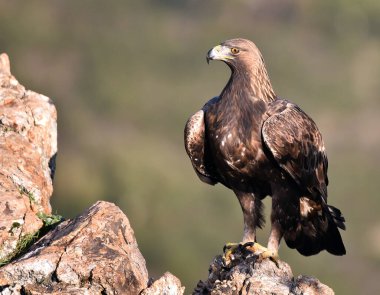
[(126, 75)]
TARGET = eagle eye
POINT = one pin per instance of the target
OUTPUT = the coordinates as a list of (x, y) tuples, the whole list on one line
[(235, 50)]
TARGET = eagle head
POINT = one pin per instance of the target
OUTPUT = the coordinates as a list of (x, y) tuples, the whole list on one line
[(246, 64), (237, 54)]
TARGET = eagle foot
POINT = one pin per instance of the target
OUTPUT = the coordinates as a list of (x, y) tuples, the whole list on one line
[(272, 255), (229, 249), (233, 251), (262, 252), (254, 247)]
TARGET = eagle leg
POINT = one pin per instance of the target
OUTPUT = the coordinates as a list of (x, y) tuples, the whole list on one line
[(252, 214), (273, 243), (253, 217)]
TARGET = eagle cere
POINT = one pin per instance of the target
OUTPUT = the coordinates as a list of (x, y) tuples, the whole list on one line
[(259, 145)]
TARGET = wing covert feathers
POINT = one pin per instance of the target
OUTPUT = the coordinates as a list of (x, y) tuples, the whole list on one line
[(296, 144), (195, 146)]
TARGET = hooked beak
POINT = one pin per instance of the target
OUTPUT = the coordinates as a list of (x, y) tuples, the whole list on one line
[(208, 58), (212, 53), (219, 52)]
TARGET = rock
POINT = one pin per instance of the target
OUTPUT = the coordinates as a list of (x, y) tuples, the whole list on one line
[(310, 286), (167, 284), (95, 253), (28, 145), (248, 275)]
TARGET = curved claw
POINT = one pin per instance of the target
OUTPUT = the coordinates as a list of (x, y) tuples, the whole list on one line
[(230, 246), (254, 247), (234, 250), (272, 255), (228, 251)]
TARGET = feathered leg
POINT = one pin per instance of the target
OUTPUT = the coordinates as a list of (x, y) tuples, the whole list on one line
[(275, 237), (253, 217), (273, 243), (276, 231), (252, 214)]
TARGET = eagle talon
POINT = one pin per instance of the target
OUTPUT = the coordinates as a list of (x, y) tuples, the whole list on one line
[(254, 247), (228, 251), (248, 244), (272, 255), (233, 250), (230, 246), (262, 252)]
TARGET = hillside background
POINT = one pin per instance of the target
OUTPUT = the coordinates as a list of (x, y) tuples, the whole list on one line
[(126, 75)]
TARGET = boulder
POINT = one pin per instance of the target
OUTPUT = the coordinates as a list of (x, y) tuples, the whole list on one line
[(95, 253), (28, 146), (248, 274)]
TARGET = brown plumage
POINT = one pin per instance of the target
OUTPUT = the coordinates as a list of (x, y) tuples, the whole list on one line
[(259, 145)]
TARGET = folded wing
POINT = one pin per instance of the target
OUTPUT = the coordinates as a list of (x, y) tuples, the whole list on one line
[(296, 144), (196, 147)]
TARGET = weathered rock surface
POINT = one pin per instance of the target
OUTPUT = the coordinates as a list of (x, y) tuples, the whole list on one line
[(248, 275), (167, 284), (28, 144), (95, 253)]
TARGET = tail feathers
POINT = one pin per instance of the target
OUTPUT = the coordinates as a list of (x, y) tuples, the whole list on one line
[(333, 242), (336, 214), (317, 233)]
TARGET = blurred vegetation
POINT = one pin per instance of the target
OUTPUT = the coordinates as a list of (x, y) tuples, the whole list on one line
[(126, 75)]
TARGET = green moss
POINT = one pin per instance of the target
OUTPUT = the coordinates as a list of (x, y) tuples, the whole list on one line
[(15, 225), (22, 245), (24, 191), (49, 220), (26, 241)]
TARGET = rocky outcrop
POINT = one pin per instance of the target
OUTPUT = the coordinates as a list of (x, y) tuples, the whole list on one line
[(247, 274), (28, 145), (95, 253)]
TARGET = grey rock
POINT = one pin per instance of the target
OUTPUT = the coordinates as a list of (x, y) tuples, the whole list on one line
[(247, 274)]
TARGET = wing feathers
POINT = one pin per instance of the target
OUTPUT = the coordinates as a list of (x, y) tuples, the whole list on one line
[(296, 144), (195, 146)]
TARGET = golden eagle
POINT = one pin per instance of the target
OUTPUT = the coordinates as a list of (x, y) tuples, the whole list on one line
[(259, 145)]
